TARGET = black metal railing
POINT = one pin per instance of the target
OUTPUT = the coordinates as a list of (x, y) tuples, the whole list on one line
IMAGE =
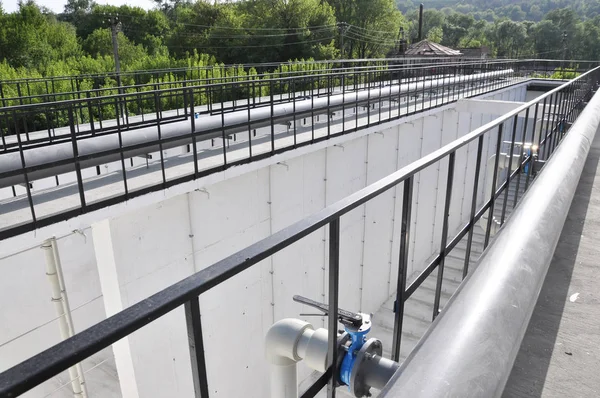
[(368, 98), (64, 88), (33, 90), (558, 108), (225, 93)]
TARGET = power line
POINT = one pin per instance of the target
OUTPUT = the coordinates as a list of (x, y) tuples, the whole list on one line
[(373, 30), (234, 28), (249, 36), (373, 38), (371, 41), (257, 46)]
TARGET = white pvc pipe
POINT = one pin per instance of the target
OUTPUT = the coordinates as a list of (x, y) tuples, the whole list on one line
[(61, 304), (287, 342)]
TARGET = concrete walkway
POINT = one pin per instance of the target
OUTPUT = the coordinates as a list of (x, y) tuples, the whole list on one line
[(560, 354)]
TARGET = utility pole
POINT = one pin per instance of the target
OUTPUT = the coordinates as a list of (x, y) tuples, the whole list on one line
[(564, 55), (401, 48), (342, 26), (115, 27)]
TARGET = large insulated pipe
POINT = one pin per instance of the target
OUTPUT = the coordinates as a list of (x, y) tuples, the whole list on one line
[(63, 310), (208, 127), (470, 349)]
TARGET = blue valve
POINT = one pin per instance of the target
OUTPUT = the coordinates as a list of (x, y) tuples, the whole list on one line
[(358, 339), (356, 325)]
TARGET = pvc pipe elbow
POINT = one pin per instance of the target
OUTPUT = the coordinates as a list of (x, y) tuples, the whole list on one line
[(282, 340)]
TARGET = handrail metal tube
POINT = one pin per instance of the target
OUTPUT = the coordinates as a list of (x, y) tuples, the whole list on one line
[(470, 350), (207, 128)]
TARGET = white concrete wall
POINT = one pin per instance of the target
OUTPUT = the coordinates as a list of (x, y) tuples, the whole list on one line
[(154, 245)]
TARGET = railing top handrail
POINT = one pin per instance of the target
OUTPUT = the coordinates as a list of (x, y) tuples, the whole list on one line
[(71, 351), (14, 108), (250, 78)]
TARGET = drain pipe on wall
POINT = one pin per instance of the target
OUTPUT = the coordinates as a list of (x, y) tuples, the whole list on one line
[(63, 310)]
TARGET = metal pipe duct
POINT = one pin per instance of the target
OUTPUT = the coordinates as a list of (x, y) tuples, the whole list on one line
[(208, 127), (470, 349)]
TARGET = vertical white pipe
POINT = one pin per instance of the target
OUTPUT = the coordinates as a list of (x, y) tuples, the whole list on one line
[(61, 304), (284, 381)]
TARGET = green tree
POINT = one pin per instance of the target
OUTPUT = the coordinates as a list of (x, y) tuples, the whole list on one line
[(431, 19), (376, 26), (33, 39), (435, 35), (456, 27), (546, 39), (510, 38), (99, 44)]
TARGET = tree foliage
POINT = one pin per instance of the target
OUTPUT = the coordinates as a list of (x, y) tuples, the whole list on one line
[(178, 33)]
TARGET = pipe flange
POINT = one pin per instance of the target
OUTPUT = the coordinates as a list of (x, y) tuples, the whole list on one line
[(343, 340), (369, 349)]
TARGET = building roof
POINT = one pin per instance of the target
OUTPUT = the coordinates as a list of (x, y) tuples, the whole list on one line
[(426, 47)]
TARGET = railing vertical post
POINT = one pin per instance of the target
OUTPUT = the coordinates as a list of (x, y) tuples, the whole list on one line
[(332, 322), (556, 123), (518, 185), (196, 347), (250, 126), (368, 100), (312, 111), (76, 160), (193, 131), (473, 206), (90, 113), (328, 116), (391, 84), (271, 89), (531, 149), (224, 137), (423, 77), (494, 180), (293, 92), (542, 126), (402, 267), (509, 172), (24, 166), (121, 151), (157, 102), (444, 240)]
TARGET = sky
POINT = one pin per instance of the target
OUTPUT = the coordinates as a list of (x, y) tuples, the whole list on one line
[(58, 5)]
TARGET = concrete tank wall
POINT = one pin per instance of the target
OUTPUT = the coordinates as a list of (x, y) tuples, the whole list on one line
[(144, 248)]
